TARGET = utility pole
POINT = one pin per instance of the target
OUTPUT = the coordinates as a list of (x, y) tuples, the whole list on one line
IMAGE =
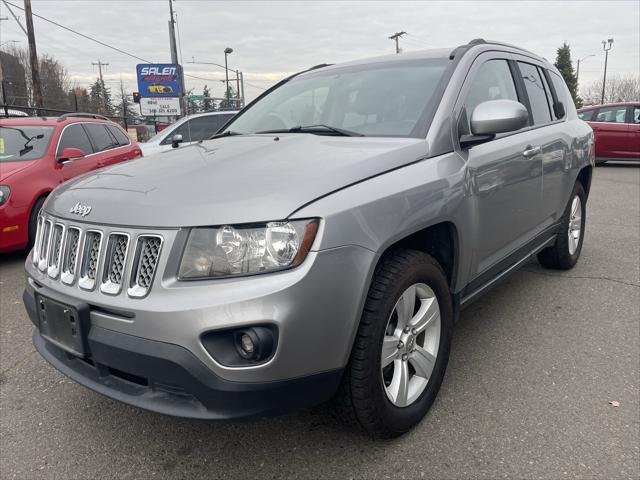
[(124, 104), (174, 57), (238, 89), (4, 88), (33, 56), (395, 37), (605, 43), (100, 64), (242, 88)]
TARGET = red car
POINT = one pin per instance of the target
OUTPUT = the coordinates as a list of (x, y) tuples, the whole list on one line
[(39, 153), (616, 127)]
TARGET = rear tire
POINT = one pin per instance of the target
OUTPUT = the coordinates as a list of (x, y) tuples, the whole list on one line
[(407, 285), (33, 221), (565, 252)]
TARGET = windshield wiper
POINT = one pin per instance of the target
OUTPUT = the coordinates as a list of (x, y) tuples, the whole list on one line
[(317, 128), (227, 133), (27, 148)]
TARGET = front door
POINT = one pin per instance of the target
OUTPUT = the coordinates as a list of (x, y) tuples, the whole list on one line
[(505, 174)]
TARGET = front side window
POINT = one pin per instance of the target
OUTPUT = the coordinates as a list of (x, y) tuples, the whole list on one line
[(100, 137), (611, 115), (19, 142), (536, 92), (383, 99), (74, 136), (493, 81)]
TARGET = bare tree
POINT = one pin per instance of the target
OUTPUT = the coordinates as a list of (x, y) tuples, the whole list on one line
[(620, 88)]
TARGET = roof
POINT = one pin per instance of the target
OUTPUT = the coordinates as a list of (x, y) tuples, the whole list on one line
[(615, 104), (51, 121)]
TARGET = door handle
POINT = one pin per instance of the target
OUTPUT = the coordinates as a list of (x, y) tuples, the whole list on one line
[(532, 151)]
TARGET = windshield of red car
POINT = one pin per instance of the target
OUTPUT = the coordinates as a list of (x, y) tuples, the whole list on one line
[(23, 142)]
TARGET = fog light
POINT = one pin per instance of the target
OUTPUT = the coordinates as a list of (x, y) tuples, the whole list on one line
[(247, 344), (242, 346)]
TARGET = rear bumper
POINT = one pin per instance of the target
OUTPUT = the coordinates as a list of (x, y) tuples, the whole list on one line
[(168, 379)]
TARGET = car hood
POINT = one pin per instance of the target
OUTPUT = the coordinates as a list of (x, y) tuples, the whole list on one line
[(9, 168), (241, 179)]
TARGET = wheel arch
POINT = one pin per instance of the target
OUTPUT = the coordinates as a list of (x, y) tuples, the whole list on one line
[(584, 177)]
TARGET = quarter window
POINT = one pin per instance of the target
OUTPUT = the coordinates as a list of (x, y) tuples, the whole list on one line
[(100, 137), (74, 136), (493, 81), (119, 135), (636, 115), (558, 86), (536, 92), (611, 115)]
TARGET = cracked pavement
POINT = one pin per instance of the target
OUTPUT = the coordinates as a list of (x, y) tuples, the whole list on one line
[(533, 368)]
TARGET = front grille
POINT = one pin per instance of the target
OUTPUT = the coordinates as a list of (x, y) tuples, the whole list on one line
[(115, 261), (147, 255), (92, 256), (91, 259)]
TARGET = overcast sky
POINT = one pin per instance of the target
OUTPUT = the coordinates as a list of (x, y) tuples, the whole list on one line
[(271, 39)]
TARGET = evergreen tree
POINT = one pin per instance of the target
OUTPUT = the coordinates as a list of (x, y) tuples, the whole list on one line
[(563, 64), (207, 104), (100, 98)]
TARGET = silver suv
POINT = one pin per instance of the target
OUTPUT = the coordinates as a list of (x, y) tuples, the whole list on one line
[(321, 246)]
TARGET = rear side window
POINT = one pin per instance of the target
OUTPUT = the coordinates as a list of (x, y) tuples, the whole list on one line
[(493, 81), (119, 135), (100, 137), (536, 92), (611, 114), (74, 136), (558, 86), (587, 115)]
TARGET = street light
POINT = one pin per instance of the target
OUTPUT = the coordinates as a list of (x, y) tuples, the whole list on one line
[(606, 46), (227, 51), (578, 68)]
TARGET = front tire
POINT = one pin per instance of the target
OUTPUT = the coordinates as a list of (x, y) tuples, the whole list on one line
[(402, 346), (33, 222), (565, 252)]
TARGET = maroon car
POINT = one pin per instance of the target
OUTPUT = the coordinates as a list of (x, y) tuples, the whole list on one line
[(616, 127)]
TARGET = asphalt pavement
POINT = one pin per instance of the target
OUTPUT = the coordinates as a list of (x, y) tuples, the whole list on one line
[(534, 366)]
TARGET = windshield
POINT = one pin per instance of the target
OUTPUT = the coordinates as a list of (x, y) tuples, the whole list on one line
[(22, 142), (380, 99)]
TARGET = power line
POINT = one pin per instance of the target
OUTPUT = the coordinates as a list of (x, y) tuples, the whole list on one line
[(129, 54)]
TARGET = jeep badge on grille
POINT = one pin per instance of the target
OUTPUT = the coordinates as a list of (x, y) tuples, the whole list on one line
[(80, 209)]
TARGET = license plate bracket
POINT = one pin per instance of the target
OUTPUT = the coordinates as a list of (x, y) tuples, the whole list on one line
[(63, 325)]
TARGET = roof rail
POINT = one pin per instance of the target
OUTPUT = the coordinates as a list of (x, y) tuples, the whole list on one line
[(462, 49), (62, 118)]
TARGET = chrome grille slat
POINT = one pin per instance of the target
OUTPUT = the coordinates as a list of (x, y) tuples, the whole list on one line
[(45, 242), (145, 263), (71, 252), (115, 262), (57, 237), (90, 259)]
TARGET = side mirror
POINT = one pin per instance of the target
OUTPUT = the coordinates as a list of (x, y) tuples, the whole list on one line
[(69, 154), (493, 117), (176, 140)]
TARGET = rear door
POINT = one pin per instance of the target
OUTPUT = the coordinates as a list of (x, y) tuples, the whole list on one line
[(75, 136), (103, 144), (611, 132)]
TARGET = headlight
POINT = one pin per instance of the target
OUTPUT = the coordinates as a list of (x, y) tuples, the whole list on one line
[(4, 194), (246, 250)]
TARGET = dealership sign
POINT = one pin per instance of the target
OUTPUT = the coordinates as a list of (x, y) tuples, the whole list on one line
[(160, 107), (158, 79)]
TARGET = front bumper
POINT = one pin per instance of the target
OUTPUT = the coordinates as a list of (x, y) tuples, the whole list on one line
[(168, 379), (153, 356)]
